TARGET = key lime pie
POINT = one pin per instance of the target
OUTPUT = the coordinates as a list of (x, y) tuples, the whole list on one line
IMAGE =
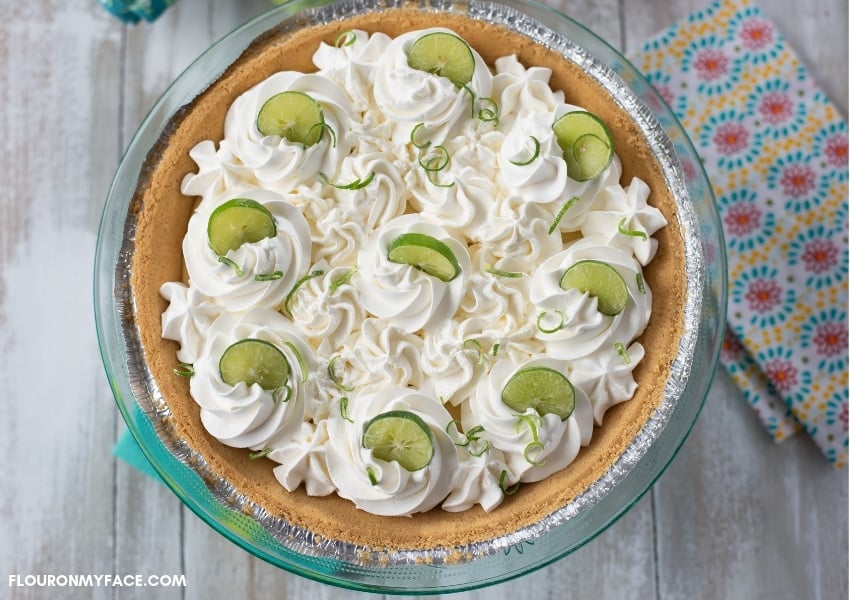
[(408, 264)]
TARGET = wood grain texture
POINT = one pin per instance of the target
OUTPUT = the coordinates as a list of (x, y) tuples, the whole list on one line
[(735, 516)]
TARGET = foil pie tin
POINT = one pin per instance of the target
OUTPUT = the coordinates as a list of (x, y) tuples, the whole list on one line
[(446, 568)]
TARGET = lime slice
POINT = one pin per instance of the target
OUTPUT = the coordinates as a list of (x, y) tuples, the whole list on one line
[(254, 361), (590, 156), (545, 390), (598, 279), (425, 253), (292, 115), (239, 221), (586, 142), (443, 54), (401, 436)]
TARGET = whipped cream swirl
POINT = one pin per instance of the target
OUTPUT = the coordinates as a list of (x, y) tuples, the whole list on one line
[(408, 96), (275, 162), (391, 490), (187, 318), (237, 287), (583, 328), (555, 442), (246, 416), (407, 297)]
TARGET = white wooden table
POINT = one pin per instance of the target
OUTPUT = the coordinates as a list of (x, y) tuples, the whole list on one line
[(735, 516)]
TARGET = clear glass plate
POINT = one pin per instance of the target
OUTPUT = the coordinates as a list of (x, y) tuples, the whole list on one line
[(521, 552)]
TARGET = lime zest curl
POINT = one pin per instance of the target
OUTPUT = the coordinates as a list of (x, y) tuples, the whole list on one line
[(567, 205), (343, 409), (373, 477), (531, 448), (507, 491), (230, 263), (535, 154), (640, 283), (184, 370), (357, 184), (413, 136), (260, 453), (287, 302), (324, 127), (554, 329), (501, 273), (335, 378), (624, 354), (621, 227), (346, 38), (276, 394), (489, 113), (273, 276), (473, 344), (344, 278), (302, 365)]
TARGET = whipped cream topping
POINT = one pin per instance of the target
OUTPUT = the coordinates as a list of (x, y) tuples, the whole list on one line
[(385, 487), (233, 283), (555, 442), (477, 167), (584, 329), (246, 416)]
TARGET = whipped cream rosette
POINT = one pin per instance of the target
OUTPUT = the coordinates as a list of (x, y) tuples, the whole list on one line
[(350, 62), (519, 90), (531, 161), (325, 307), (257, 274), (214, 176), (371, 186), (570, 322), (457, 198), (301, 454), (405, 296), (275, 162), (242, 415), (571, 210), (534, 445), (478, 480), (386, 487), (624, 219), (380, 355), (187, 318), (409, 96), (607, 376), (516, 238)]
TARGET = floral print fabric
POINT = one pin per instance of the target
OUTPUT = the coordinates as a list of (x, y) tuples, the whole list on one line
[(775, 150)]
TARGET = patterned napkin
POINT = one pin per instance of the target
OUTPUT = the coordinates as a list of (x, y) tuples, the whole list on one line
[(775, 150)]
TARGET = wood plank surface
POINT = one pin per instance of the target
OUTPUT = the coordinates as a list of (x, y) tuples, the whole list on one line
[(735, 516)]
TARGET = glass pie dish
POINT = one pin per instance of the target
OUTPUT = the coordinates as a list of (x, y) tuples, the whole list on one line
[(443, 569)]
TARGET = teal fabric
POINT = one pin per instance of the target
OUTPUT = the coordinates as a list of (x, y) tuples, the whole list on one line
[(133, 11), (129, 451)]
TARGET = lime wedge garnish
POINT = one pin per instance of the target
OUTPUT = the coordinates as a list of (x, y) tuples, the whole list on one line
[(254, 361), (541, 388), (401, 436), (586, 157), (443, 54), (598, 279), (292, 115), (239, 221), (425, 253)]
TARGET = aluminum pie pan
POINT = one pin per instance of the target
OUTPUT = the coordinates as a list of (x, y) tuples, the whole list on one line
[(302, 540)]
